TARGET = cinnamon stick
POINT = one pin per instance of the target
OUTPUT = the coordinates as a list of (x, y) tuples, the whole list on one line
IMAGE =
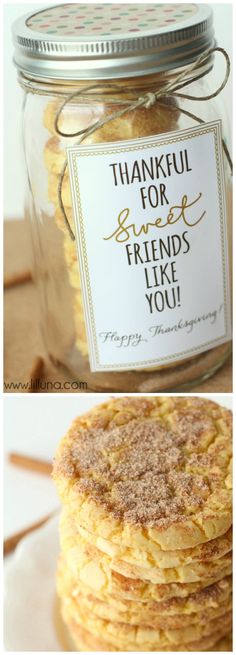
[(31, 463), (10, 543), (35, 374), (17, 278)]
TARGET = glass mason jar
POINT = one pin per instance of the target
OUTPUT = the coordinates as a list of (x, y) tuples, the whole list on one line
[(98, 305)]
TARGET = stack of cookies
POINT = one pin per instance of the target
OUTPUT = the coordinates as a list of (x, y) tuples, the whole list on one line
[(145, 530), (77, 115), (55, 158)]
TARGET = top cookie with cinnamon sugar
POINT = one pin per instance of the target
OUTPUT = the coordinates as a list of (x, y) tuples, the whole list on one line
[(137, 469)]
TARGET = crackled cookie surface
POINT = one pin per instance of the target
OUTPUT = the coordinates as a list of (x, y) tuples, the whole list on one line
[(155, 469), (145, 530)]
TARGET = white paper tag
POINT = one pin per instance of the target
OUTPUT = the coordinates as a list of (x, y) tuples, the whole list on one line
[(150, 218)]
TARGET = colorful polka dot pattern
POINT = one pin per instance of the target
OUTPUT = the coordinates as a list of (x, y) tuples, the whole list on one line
[(102, 20)]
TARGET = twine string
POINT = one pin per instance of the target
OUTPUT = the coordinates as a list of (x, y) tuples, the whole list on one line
[(148, 100)]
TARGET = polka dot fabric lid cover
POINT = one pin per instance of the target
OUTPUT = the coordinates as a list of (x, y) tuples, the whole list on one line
[(110, 40), (109, 19)]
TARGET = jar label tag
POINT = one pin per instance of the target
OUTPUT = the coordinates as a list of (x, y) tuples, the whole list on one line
[(150, 220)]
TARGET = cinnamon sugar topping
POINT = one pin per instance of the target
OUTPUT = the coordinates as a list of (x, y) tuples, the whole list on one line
[(150, 461)]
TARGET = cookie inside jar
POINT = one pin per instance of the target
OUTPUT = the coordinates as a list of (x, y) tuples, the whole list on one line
[(139, 298)]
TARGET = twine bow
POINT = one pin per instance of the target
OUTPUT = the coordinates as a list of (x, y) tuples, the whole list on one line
[(148, 100)]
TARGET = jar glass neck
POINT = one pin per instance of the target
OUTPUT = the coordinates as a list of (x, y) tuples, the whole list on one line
[(108, 88)]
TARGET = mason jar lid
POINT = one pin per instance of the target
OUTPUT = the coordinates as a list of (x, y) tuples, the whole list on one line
[(97, 41)]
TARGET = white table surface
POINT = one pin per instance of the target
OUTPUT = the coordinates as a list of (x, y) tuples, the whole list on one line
[(33, 425)]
